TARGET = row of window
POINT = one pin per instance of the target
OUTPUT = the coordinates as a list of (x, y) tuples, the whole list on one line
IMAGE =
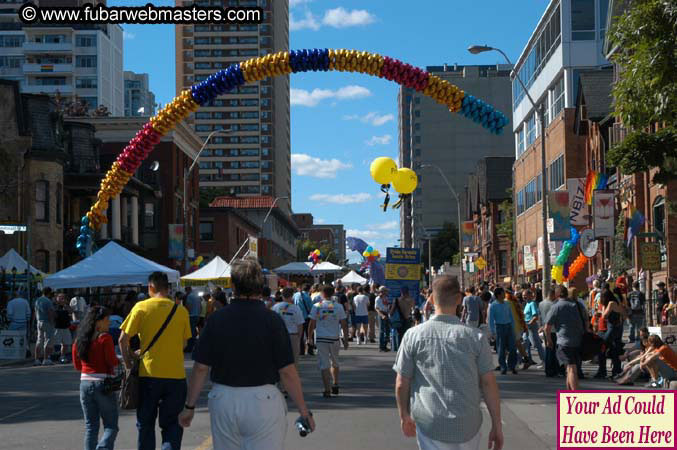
[(229, 164), (206, 115), (532, 192), (229, 103), (235, 152), (11, 62), (263, 28), (218, 40), (216, 53), (527, 134), (226, 3)]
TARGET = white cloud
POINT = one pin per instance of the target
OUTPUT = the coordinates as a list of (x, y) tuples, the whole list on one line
[(128, 35), (380, 140), (392, 225), (313, 98), (342, 18), (341, 199), (372, 118), (303, 164), (319, 221), (308, 22), (371, 234)]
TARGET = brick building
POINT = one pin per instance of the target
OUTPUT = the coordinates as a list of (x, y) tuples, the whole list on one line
[(488, 187), (334, 236), (223, 231)]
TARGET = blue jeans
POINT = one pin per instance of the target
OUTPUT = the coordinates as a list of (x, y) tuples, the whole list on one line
[(98, 406), (636, 322), (505, 342), (166, 396), (383, 332), (533, 339), (193, 331)]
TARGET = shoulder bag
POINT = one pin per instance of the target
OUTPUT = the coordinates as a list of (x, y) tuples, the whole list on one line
[(129, 395), (591, 344)]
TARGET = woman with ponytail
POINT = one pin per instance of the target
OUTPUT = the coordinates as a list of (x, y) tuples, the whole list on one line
[(94, 356)]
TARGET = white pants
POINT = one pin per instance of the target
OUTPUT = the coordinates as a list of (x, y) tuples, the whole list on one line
[(425, 443), (247, 418)]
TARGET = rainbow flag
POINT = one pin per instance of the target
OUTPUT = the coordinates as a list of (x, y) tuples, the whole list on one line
[(636, 222), (593, 182)]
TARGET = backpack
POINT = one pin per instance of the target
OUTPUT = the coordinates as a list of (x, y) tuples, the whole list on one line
[(635, 299)]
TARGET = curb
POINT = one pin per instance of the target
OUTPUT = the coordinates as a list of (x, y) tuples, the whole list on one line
[(16, 363)]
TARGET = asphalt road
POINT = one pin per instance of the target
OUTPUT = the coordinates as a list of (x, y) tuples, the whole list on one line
[(40, 409)]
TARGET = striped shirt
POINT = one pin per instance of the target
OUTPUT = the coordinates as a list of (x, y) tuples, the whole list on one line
[(444, 360)]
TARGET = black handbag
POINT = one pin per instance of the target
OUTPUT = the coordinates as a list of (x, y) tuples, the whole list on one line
[(591, 344), (113, 384), (129, 395)]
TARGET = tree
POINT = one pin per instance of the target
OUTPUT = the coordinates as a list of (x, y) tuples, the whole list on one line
[(444, 246), (304, 247), (645, 38), (620, 261)]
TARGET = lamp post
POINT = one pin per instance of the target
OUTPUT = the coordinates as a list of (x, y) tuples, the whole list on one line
[(262, 224), (458, 210), (476, 49), (186, 175)]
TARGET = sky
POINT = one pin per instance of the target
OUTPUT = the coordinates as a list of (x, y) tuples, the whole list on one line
[(340, 122)]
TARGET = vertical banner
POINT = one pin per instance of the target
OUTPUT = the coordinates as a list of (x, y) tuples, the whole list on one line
[(467, 233), (253, 247), (403, 269), (529, 260), (579, 213), (175, 240), (541, 252), (603, 213), (558, 205)]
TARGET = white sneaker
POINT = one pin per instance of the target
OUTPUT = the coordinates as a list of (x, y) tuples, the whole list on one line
[(48, 362)]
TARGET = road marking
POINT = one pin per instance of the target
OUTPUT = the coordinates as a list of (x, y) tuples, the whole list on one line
[(206, 445), (19, 412)]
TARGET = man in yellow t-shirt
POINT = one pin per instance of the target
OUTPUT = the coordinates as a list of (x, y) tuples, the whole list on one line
[(162, 376)]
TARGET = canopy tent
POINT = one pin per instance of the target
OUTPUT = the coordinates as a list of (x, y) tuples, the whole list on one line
[(294, 268), (112, 265), (325, 267), (216, 271), (13, 259), (352, 278)]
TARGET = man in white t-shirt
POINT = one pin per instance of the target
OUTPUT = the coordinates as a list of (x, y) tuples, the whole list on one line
[(79, 307), (293, 318), (361, 305), (327, 318), (383, 310)]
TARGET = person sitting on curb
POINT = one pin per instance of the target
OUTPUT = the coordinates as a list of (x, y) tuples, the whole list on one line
[(660, 362)]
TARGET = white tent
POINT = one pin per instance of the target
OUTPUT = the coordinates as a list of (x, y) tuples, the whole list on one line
[(353, 277), (294, 268), (217, 271), (325, 267), (13, 259), (112, 265)]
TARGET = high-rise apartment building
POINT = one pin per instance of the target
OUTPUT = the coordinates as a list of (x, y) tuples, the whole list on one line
[(568, 41), (430, 134), (139, 99), (71, 60), (255, 159)]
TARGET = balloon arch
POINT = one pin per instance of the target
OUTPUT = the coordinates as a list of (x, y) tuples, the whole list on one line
[(272, 65)]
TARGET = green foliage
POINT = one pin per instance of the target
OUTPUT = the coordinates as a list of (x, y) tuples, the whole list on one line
[(620, 260), (506, 227), (646, 51), (444, 246), (208, 194), (642, 151)]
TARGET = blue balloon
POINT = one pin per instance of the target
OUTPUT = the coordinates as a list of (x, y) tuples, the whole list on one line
[(370, 249), (84, 230), (85, 220)]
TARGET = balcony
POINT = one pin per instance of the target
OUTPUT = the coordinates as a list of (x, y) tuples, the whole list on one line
[(617, 134), (47, 89), (41, 47), (47, 68)]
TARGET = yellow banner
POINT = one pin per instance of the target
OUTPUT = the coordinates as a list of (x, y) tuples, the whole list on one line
[(403, 271)]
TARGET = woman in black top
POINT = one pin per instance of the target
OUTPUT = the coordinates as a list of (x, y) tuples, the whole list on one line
[(614, 314)]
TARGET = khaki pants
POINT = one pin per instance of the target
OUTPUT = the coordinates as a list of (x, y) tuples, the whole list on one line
[(372, 325)]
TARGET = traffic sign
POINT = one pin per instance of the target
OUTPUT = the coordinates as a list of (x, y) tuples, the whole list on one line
[(481, 263)]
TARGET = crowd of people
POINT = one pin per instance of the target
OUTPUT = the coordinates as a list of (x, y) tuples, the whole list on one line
[(248, 341)]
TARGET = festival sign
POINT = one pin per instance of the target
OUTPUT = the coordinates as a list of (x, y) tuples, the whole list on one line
[(467, 233), (558, 206), (650, 254), (176, 240), (579, 213), (603, 213), (403, 269)]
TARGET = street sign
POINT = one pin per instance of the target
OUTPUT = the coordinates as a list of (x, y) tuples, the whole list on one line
[(254, 246), (650, 254), (481, 263), (10, 229), (589, 245)]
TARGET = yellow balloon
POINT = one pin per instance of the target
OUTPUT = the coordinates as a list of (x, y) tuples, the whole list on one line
[(383, 170), (405, 181)]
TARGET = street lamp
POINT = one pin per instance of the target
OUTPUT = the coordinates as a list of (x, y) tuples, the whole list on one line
[(476, 49), (262, 224), (186, 175), (458, 210)]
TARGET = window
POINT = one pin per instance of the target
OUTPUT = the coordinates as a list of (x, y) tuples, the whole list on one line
[(59, 193), (557, 99), (557, 173), (531, 129), (520, 140), (85, 40), (149, 216), (42, 201), (85, 61), (530, 194), (659, 214), (603, 12), (520, 202), (92, 102), (11, 41), (249, 164), (206, 231), (42, 260), (582, 20), (249, 152), (539, 191), (11, 62), (86, 83)]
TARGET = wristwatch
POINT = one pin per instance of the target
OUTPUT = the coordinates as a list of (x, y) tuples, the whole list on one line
[(190, 408)]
